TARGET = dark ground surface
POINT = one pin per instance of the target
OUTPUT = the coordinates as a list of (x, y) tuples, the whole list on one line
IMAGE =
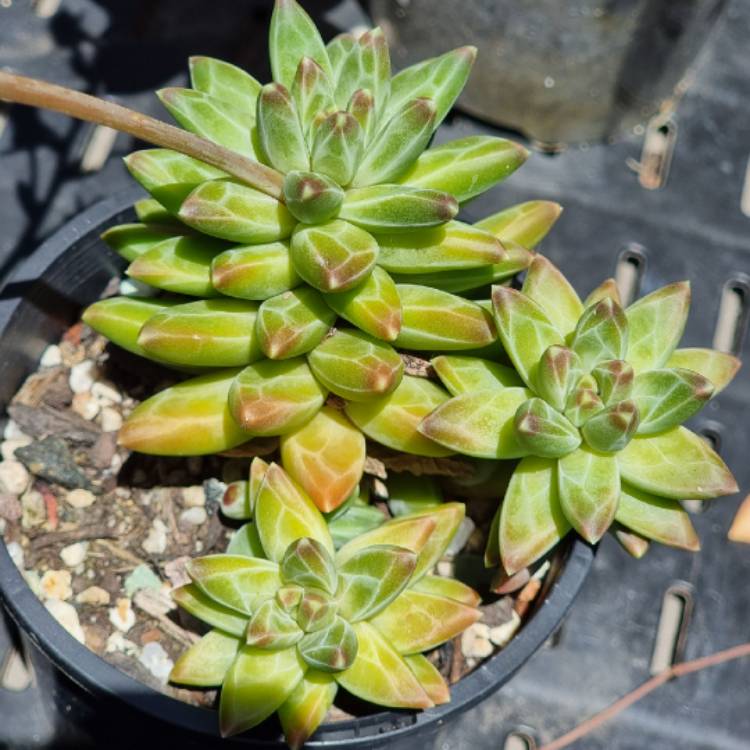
[(691, 228)]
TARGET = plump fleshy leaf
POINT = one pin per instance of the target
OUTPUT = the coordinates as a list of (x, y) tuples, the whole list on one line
[(479, 423), (676, 464), (380, 675), (225, 82), (272, 628), (338, 49), (236, 212), (206, 663), (202, 606), (333, 257), (439, 321), (542, 431), (583, 403), (546, 285), (464, 374), (601, 334), (393, 419), (524, 330), (326, 457), (255, 272), (234, 581), (279, 130), (330, 649), (656, 323), (365, 65), (654, 517), (289, 596), (356, 366), (719, 367), (408, 493), (245, 541), (449, 588), (465, 167), (417, 621), (372, 578), (293, 323), (608, 288), (668, 397), (304, 710), (589, 487), (559, 371), (189, 419), (356, 520), (273, 397), (131, 240), (235, 502), (611, 429), (307, 562), (388, 208), (284, 513), (429, 678), (258, 469), (312, 198), (526, 223), (337, 147), (317, 610), (211, 333), (634, 544), (362, 107), (150, 211), (258, 682), (531, 520), (312, 91), (614, 378)]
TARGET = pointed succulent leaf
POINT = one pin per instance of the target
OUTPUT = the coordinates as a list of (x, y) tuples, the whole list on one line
[(289, 596), (492, 549), (451, 247), (448, 588), (719, 367), (559, 371), (463, 374), (279, 130), (273, 397), (372, 578), (417, 621), (326, 457), (668, 397), (234, 581), (189, 419), (211, 333), (331, 649), (216, 120), (306, 708), (356, 520), (465, 167), (583, 403), (337, 147), (131, 240), (611, 429), (601, 334), (655, 518), (589, 487), (317, 610), (312, 198), (245, 541), (388, 208), (479, 423), (338, 49), (236, 212), (307, 562), (367, 65), (272, 628), (284, 513), (333, 257), (258, 469), (206, 663), (543, 431), (355, 366), (615, 378), (676, 464), (225, 82), (656, 323), (429, 678), (608, 288), (634, 544), (258, 682), (393, 420), (439, 321), (374, 306), (546, 285), (524, 330), (179, 264), (150, 211), (380, 675), (169, 175), (362, 107), (526, 223), (440, 78), (293, 323), (235, 502), (312, 92), (408, 493), (202, 606), (531, 519)]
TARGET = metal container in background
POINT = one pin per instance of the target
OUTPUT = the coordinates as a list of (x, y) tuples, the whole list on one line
[(559, 72)]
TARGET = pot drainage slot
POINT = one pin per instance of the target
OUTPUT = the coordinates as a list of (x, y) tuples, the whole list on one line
[(15, 674), (98, 142), (745, 200), (519, 741), (671, 632), (631, 265), (731, 323)]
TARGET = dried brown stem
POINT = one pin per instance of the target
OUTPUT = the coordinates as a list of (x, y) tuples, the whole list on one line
[(36, 93), (678, 670), (84, 533)]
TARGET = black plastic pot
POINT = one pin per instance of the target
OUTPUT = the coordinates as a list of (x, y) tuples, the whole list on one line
[(89, 698)]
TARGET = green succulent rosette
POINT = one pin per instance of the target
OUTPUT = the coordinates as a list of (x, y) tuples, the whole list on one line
[(594, 411), (294, 619)]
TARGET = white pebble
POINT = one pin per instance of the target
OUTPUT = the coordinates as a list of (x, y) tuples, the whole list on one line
[(111, 421), (12, 431), (93, 595), (52, 357), (15, 550), (193, 517), (122, 615), (194, 497), (80, 498), (502, 634), (82, 376), (85, 405), (74, 554), (106, 394), (55, 584), (34, 511), (9, 447), (445, 568), (67, 616), (475, 641), (461, 537), (135, 288), (118, 642), (156, 660), (156, 540), (13, 477)]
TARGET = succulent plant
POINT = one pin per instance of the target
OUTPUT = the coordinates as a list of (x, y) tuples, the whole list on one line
[(292, 619), (594, 411)]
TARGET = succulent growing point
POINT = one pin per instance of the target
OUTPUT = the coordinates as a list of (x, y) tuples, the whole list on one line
[(293, 618), (593, 410)]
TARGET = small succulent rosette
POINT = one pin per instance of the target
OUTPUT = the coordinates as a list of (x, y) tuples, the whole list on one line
[(593, 410), (293, 619)]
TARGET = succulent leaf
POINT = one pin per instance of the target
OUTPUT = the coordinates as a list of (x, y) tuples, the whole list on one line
[(235, 503), (408, 493), (206, 663), (317, 610), (272, 628), (583, 403), (614, 379), (367, 65), (542, 431), (150, 211), (312, 198), (356, 520), (362, 108), (429, 678), (337, 148), (312, 92), (330, 649), (546, 285), (608, 288), (634, 544), (464, 374), (258, 469), (306, 563), (525, 223), (611, 429), (559, 370), (289, 596), (245, 541), (202, 606), (719, 367), (131, 240), (448, 588), (225, 82), (601, 334), (304, 710)]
